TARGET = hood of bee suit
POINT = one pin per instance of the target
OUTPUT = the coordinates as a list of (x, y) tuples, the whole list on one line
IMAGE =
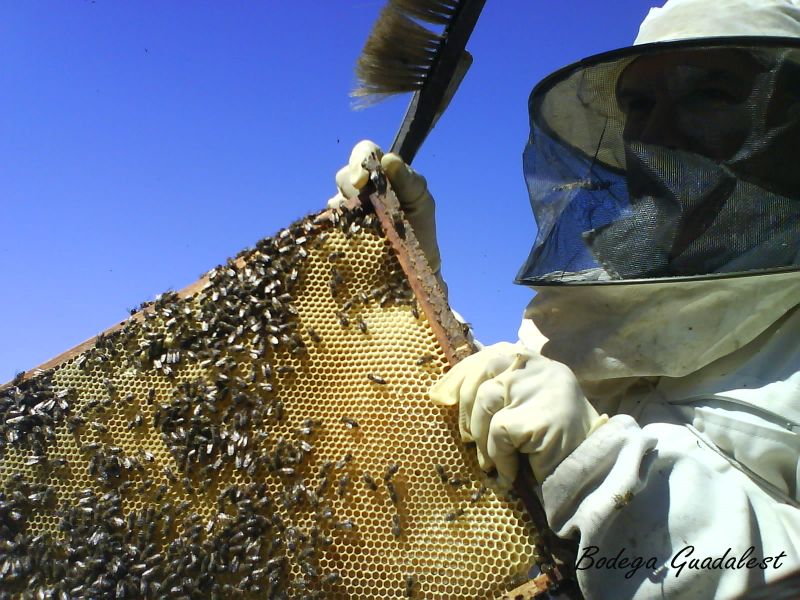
[(648, 317), (671, 329), (692, 19)]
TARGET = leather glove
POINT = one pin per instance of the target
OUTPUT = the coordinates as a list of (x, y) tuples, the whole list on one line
[(512, 400), (409, 186)]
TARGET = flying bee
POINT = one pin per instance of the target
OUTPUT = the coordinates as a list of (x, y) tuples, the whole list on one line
[(376, 379)]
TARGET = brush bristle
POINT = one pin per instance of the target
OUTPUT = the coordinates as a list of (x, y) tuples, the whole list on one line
[(399, 51), (439, 12)]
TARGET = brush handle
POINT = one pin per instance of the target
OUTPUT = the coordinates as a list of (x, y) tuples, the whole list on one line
[(412, 132), (445, 75)]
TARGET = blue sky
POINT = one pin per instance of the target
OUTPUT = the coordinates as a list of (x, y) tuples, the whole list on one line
[(142, 143)]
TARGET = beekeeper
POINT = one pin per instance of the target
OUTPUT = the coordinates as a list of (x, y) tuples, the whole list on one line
[(655, 386)]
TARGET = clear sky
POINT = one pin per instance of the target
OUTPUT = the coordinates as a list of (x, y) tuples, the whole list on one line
[(144, 142)]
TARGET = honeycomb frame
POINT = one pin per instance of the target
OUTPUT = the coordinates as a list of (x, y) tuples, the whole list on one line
[(264, 433)]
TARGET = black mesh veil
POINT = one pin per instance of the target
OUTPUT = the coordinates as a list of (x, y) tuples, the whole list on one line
[(666, 160)]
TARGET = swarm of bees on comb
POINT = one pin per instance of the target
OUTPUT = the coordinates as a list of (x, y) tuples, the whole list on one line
[(265, 433)]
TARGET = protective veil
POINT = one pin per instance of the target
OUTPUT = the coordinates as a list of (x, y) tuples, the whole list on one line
[(667, 161)]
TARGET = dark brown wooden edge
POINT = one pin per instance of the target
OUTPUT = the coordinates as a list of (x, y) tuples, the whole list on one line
[(320, 219), (432, 301), (456, 345), (189, 290)]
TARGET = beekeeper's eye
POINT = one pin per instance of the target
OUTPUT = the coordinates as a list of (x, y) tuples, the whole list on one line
[(713, 93)]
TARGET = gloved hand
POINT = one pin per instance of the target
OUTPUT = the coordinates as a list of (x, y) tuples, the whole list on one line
[(409, 186), (514, 400)]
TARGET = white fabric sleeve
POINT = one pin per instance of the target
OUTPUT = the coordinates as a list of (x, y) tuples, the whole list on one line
[(646, 501)]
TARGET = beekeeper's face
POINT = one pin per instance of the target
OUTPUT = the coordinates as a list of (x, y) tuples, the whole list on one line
[(693, 100), (670, 160)]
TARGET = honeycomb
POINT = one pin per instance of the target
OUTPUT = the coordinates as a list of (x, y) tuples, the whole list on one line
[(264, 434)]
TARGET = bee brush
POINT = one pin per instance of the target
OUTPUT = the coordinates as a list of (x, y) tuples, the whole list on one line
[(401, 55)]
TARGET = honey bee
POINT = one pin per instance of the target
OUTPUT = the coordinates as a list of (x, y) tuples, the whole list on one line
[(369, 481), (391, 470), (350, 423), (362, 325), (344, 481), (334, 256), (452, 516), (392, 492), (396, 529), (622, 500), (424, 359), (477, 494), (410, 583)]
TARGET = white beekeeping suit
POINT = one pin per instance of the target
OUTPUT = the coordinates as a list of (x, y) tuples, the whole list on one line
[(663, 182), (655, 386)]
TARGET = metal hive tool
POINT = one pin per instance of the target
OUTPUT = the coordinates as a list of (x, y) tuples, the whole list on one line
[(265, 433)]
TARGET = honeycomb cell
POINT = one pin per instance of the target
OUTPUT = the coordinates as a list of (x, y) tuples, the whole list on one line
[(201, 447)]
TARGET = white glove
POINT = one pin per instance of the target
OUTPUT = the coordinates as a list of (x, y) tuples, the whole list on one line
[(514, 400), (409, 186)]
